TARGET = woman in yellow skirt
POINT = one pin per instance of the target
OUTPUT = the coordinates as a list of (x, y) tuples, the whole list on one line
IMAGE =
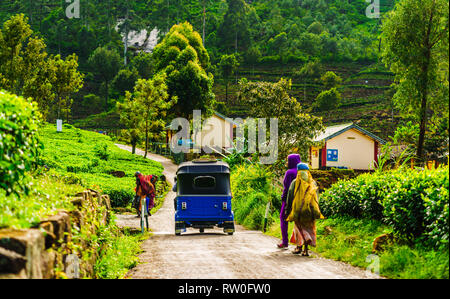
[(303, 209)]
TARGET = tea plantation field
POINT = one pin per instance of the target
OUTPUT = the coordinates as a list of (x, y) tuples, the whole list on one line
[(89, 159)]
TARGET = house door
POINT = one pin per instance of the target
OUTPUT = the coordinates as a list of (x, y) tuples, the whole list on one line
[(320, 158)]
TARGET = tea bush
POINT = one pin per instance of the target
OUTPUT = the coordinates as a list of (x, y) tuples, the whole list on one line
[(414, 203), (19, 142)]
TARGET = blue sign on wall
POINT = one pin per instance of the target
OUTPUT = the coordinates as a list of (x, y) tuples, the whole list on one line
[(332, 155)]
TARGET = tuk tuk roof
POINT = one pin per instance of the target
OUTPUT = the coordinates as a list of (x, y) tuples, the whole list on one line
[(203, 167)]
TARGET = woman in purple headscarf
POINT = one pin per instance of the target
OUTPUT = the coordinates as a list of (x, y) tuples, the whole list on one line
[(289, 176)]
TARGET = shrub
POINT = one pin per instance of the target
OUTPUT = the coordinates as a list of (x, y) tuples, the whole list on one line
[(414, 203), (101, 151), (19, 142), (252, 189)]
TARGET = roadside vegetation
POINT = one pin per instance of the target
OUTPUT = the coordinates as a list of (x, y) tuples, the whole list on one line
[(408, 209), (120, 253), (252, 190), (44, 169)]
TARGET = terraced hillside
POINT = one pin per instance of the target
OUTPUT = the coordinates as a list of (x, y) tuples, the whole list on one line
[(365, 94)]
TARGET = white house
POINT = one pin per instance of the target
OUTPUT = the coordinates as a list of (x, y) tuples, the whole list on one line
[(216, 132), (345, 146)]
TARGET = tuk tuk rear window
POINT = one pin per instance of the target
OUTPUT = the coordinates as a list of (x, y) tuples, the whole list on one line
[(205, 182)]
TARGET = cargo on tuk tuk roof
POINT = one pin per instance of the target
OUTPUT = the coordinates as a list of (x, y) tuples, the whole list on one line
[(203, 166)]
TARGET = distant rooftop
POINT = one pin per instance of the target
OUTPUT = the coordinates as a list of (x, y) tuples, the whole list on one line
[(333, 131)]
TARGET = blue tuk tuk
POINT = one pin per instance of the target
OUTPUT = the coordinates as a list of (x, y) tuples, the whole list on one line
[(203, 196)]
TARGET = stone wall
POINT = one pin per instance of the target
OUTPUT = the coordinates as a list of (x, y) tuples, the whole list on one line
[(59, 246)]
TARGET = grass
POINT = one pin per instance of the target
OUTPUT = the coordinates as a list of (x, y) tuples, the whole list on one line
[(342, 238), (49, 193), (350, 241), (120, 252)]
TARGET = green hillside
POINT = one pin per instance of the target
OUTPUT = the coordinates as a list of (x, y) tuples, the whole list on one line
[(271, 39)]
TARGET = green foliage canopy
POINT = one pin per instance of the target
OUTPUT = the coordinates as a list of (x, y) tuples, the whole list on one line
[(296, 128), (183, 58), (415, 46)]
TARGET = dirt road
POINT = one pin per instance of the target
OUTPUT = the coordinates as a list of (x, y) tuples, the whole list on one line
[(245, 255)]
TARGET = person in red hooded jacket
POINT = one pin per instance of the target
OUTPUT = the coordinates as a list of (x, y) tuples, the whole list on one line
[(145, 188)]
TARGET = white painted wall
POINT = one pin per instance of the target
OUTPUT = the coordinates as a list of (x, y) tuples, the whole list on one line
[(355, 150), (215, 132)]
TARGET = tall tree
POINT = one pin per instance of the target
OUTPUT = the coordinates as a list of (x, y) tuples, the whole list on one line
[(153, 101), (234, 30), (184, 59), (131, 117), (130, 21), (330, 80), (13, 44), (105, 63), (415, 39), (67, 80)]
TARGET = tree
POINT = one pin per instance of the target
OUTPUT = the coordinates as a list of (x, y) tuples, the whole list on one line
[(328, 100), (67, 80), (234, 30), (330, 80), (228, 65), (252, 57), (183, 58), (26, 69), (267, 100), (315, 28), (278, 44), (105, 63), (131, 117), (125, 80), (153, 101), (13, 45), (311, 70), (143, 63), (131, 21), (415, 46), (39, 77)]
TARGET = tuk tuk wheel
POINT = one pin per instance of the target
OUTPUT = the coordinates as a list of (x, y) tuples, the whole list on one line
[(179, 228)]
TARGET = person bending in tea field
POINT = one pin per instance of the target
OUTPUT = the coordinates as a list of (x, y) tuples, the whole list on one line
[(145, 189), (289, 176), (302, 207)]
